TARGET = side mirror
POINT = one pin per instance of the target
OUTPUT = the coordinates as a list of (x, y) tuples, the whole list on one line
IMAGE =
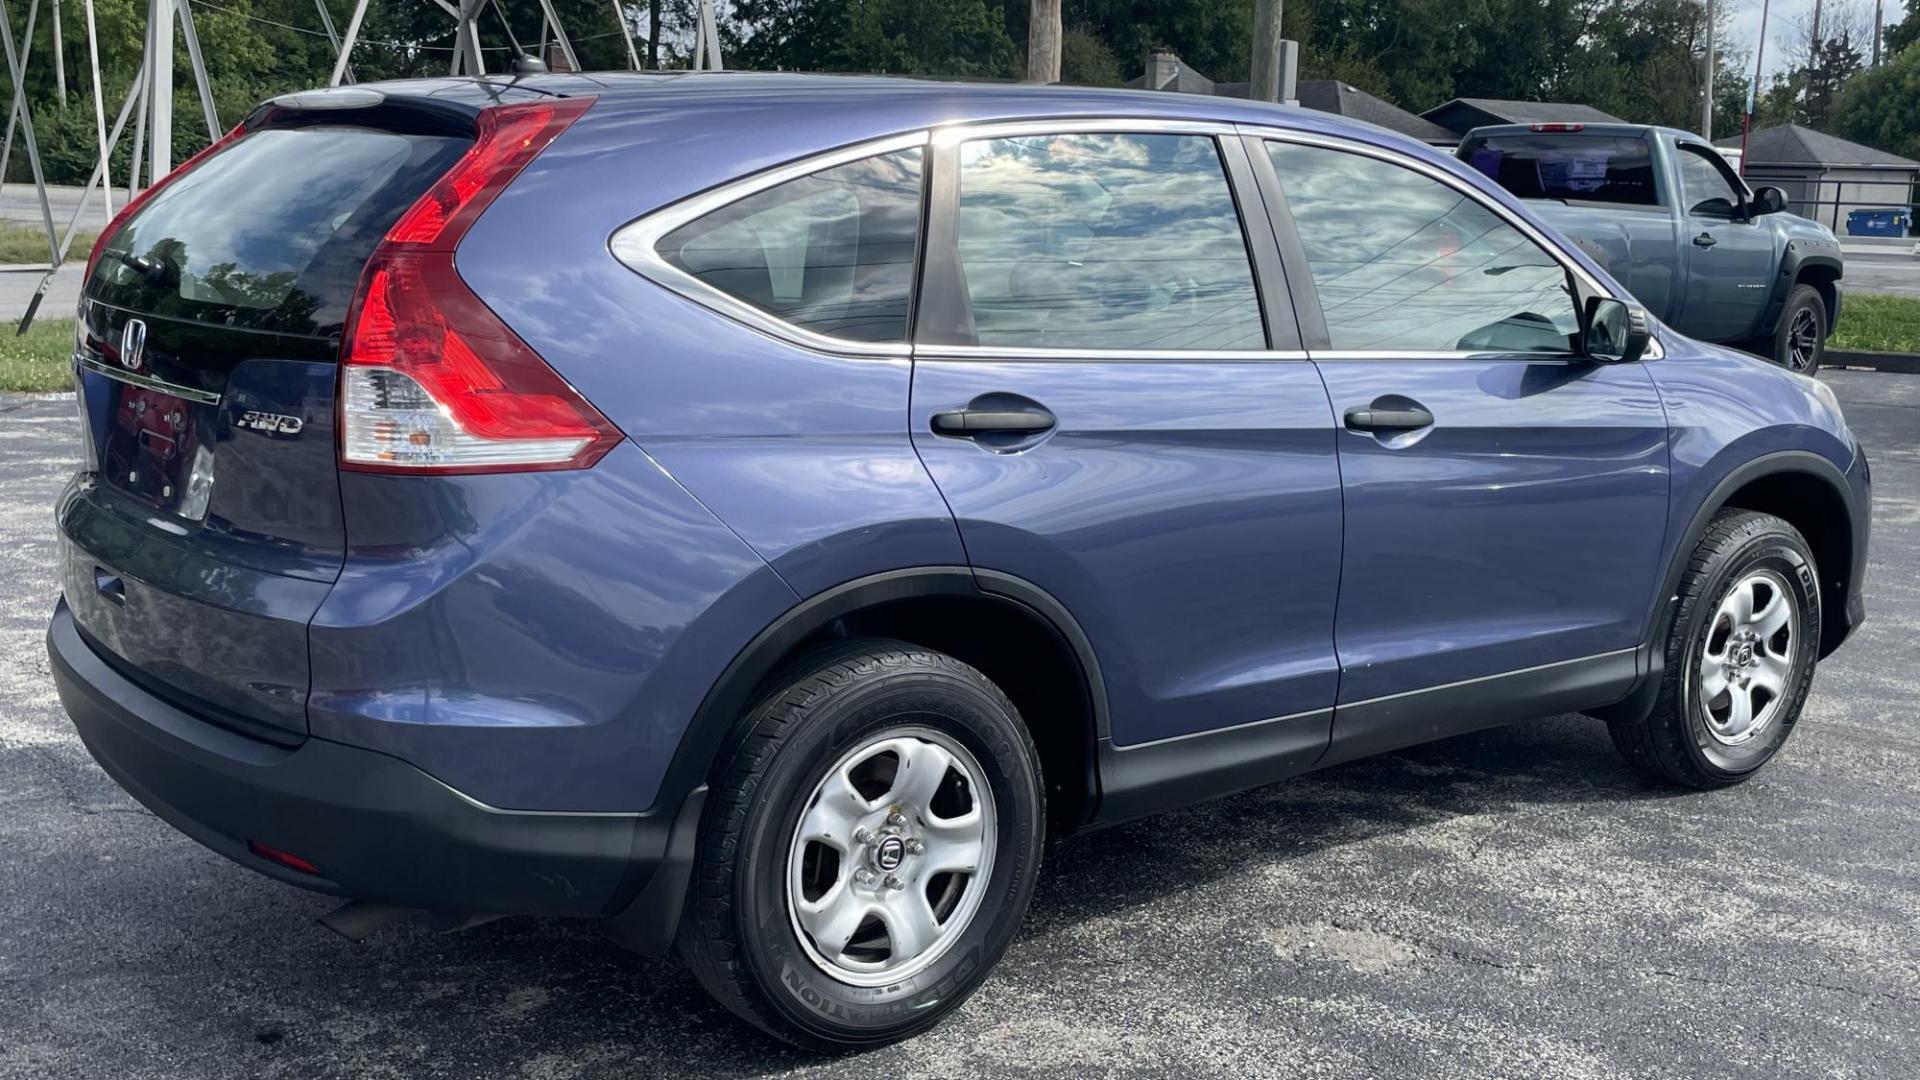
[(1615, 332), (1767, 200)]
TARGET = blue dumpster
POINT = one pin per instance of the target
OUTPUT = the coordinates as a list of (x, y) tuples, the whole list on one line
[(1888, 222)]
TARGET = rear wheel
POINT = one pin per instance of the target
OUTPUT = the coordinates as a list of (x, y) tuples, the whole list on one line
[(1740, 656), (870, 850), (1800, 338)]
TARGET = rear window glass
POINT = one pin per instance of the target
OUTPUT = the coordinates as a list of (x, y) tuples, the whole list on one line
[(1579, 168), (272, 232)]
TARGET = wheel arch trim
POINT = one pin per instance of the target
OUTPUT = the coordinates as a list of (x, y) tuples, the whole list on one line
[(1639, 703)]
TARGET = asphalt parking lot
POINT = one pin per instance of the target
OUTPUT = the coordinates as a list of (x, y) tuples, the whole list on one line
[(1510, 903)]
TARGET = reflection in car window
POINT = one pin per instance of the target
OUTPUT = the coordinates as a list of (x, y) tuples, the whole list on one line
[(1405, 262), (1104, 241), (1704, 187), (831, 252)]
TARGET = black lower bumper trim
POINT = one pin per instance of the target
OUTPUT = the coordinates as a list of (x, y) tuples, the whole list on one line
[(375, 827)]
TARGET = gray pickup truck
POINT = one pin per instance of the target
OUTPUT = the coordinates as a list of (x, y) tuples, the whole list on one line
[(1671, 220)]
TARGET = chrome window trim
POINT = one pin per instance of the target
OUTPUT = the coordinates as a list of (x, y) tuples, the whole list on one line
[(636, 245), (973, 131), (1112, 356), (145, 382)]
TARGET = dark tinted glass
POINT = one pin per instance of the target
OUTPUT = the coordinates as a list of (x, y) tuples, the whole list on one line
[(272, 232), (1585, 168), (1106, 242), (1403, 262), (1705, 189), (831, 252)]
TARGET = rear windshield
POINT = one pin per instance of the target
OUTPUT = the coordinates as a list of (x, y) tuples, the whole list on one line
[(272, 232), (1580, 168)]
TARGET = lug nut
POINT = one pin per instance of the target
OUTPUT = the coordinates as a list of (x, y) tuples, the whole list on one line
[(863, 835), (893, 882), (916, 846), (896, 819), (863, 876)]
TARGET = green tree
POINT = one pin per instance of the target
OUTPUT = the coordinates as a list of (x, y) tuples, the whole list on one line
[(1881, 107)]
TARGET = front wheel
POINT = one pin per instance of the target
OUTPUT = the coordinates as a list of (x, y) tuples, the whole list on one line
[(1739, 659), (868, 851), (1800, 338)]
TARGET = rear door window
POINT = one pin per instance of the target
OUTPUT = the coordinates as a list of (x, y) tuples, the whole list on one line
[(1567, 166), (831, 253), (272, 232), (1104, 241)]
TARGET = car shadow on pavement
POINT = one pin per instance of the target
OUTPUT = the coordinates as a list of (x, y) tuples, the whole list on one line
[(210, 955)]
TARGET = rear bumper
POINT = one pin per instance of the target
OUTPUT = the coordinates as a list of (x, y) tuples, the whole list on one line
[(376, 828)]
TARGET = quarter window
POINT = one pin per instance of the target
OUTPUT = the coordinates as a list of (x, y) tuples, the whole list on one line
[(1404, 262), (1104, 241), (831, 252)]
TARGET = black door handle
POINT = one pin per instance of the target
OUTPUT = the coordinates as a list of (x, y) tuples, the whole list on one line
[(110, 585), (1704, 240), (966, 423), (1389, 420)]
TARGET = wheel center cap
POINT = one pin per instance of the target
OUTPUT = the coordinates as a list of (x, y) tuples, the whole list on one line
[(890, 853), (1744, 655)]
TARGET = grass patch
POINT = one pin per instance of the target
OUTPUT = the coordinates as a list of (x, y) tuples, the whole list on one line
[(40, 359), (1878, 324), (23, 243)]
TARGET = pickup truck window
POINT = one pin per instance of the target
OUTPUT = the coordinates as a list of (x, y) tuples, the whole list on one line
[(1403, 262), (1571, 167), (1705, 185)]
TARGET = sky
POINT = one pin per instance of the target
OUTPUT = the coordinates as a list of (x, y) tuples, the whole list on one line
[(1785, 16)]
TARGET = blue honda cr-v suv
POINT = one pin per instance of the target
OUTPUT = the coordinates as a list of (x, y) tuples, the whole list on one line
[(752, 510)]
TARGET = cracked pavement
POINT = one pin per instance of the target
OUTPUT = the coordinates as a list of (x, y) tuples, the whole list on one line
[(1512, 903)]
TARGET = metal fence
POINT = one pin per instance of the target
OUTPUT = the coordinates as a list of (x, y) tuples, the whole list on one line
[(1830, 201)]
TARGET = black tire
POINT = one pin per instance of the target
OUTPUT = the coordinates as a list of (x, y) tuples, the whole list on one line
[(1676, 742), (1800, 337), (737, 935)]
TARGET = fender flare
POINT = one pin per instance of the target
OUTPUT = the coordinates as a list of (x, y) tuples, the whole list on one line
[(648, 915), (1638, 704)]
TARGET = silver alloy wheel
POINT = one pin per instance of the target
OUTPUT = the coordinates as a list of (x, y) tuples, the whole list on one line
[(891, 856), (1747, 658), (1803, 339)]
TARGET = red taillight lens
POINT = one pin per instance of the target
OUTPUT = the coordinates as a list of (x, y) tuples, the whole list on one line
[(1559, 127), (432, 380), (509, 137), (135, 203)]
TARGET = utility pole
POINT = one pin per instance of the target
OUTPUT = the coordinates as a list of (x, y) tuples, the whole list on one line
[(1877, 6), (1043, 42), (1706, 104), (653, 35), (60, 56), (1753, 88), (1266, 51)]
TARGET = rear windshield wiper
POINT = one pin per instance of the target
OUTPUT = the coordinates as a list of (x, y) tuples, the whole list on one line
[(155, 271)]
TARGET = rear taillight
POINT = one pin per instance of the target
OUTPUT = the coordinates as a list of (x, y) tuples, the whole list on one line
[(432, 380), (1558, 127), (135, 203)]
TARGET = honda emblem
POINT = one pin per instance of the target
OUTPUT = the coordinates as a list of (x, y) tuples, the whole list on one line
[(133, 345)]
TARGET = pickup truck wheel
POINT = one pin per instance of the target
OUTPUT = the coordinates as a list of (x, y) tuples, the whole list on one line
[(1800, 339), (868, 850), (1739, 658)]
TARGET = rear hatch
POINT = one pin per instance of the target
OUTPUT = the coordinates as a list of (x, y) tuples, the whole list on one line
[(207, 528)]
